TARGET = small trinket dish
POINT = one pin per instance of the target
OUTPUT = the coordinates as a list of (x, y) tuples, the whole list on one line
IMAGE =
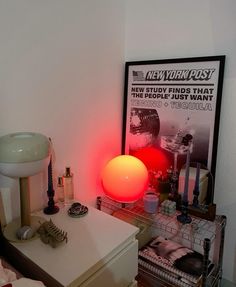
[(77, 210)]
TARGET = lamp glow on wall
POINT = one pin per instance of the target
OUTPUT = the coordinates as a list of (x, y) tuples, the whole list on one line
[(125, 178), (22, 155)]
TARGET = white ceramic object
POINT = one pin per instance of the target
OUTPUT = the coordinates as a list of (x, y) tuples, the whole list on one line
[(24, 154)]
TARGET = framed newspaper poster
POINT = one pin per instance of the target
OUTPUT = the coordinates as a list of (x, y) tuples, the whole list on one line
[(171, 102)]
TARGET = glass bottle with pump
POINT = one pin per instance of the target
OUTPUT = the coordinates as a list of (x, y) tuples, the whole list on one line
[(60, 190), (68, 186)]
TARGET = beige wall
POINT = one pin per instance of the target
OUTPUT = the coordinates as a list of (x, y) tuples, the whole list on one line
[(61, 74)]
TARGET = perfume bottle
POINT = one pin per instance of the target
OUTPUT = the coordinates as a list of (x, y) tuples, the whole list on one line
[(68, 186), (60, 190)]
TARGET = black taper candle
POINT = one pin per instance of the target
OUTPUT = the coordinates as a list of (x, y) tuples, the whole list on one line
[(184, 217), (196, 186), (51, 208)]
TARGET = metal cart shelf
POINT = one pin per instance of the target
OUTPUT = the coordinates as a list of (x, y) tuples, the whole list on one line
[(201, 235)]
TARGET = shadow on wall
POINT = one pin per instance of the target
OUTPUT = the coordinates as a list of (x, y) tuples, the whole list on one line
[(229, 256), (234, 273), (226, 283)]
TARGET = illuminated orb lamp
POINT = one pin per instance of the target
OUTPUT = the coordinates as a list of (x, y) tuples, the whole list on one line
[(125, 178), (154, 158)]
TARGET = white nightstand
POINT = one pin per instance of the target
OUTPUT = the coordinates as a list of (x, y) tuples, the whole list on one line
[(101, 252)]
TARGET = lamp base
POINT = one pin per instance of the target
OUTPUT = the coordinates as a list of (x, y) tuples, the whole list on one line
[(184, 218), (11, 228), (51, 209)]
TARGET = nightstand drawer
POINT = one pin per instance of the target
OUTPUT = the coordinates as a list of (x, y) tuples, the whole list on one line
[(118, 272)]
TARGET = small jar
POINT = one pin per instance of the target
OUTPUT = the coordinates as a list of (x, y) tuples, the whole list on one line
[(151, 202)]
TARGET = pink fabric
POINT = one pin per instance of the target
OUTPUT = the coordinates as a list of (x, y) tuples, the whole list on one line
[(8, 278), (6, 275)]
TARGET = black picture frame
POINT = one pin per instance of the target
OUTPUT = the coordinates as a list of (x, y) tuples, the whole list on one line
[(161, 96)]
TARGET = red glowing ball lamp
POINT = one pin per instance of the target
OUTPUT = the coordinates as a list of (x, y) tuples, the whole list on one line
[(125, 178)]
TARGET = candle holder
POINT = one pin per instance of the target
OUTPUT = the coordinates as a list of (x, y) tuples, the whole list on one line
[(184, 217)]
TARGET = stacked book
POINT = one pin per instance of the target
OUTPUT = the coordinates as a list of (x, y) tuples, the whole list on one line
[(172, 262)]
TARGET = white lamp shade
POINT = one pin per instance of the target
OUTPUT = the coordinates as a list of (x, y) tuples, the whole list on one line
[(24, 154)]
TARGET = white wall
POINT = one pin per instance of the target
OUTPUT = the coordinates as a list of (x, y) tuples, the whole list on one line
[(159, 29), (61, 74)]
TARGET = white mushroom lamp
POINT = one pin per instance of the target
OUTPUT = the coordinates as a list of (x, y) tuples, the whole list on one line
[(22, 155)]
